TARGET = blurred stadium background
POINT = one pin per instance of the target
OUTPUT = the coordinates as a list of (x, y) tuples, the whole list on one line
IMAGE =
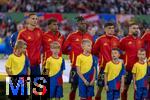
[(97, 12)]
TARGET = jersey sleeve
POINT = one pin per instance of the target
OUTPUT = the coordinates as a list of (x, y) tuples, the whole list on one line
[(78, 61), (96, 47), (123, 72), (8, 62), (27, 63), (134, 69), (63, 64), (66, 46), (95, 62), (47, 64), (106, 68)]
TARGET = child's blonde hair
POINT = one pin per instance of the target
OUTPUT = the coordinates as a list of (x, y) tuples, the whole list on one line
[(20, 44), (54, 45), (86, 41)]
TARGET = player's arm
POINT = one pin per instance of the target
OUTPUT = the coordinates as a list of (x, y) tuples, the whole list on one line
[(46, 68), (134, 77), (134, 81), (8, 70), (122, 83), (8, 65), (96, 47), (66, 46), (106, 76), (82, 77), (105, 80), (93, 80)]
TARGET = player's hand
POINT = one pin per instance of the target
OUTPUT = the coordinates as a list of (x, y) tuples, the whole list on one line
[(106, 88), (92, 82), (135, 87), (121, 89), (86, 83)]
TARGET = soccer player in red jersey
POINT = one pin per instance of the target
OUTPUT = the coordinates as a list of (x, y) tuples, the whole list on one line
[(102, 48), (52, 35), (32, 35), (146, 39), (130, 46), (72, 47)]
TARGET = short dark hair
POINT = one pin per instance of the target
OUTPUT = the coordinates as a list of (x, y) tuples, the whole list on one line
[(50, 21), (31, 14), (142, 50), (117, 49), (86, 41), (132, 23), (109, 24)]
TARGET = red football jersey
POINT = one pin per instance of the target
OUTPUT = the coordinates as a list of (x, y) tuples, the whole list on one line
[(130, 45), (102, 48), (33, 40), (72, 45)]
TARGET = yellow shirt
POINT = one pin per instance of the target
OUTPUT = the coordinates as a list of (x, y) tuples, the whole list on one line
[(140, 70), (16, 64), (53, 65), (113, 70), (84, 63)]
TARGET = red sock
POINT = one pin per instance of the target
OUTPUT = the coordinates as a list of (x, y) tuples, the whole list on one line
[(97, 98), (124, 95), (89, 98), (72, 95)]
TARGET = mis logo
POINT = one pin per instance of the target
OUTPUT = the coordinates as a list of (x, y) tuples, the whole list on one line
[(25, 85)]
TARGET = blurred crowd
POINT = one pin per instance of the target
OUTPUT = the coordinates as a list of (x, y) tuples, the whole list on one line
[(77, 6)]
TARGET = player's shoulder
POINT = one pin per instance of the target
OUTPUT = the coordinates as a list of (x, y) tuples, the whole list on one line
[(115, 37), (124, 38), (22, 30), (101, 37)]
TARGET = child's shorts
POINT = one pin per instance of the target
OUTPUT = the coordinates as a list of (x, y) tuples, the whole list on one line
[(141, 93), (86, 91), (113, 95), (56, 91)]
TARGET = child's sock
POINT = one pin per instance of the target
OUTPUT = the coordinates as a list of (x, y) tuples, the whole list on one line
[(89, 98), (124, 95), (97, 98), (72, 95)]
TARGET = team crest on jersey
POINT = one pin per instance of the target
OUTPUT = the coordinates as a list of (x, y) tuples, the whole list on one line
[(29, 38), (49, 39), (105, 44), (77, 39), (129, 42)]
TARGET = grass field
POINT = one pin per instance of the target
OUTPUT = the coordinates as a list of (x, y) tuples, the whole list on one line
[(66, 88)]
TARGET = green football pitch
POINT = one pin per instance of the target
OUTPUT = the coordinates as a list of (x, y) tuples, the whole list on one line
[(66, 89)]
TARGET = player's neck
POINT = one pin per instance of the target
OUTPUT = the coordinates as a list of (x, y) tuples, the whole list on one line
[(116, 61), (141, 61), (55, 56), (86, 53), (17, 54), (30, 27)]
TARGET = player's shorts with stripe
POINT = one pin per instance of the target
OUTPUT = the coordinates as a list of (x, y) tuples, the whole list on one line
[(113, 95), (56, 91), (141, 93)]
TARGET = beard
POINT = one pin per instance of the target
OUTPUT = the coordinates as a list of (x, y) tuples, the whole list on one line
[(135, 33)]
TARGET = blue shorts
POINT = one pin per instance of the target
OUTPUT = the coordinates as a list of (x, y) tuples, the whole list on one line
[(100, 80), (141, 93), (128, 78), (86, 91), (56, 91), (35, 70), (113, 95), (73, 78)]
